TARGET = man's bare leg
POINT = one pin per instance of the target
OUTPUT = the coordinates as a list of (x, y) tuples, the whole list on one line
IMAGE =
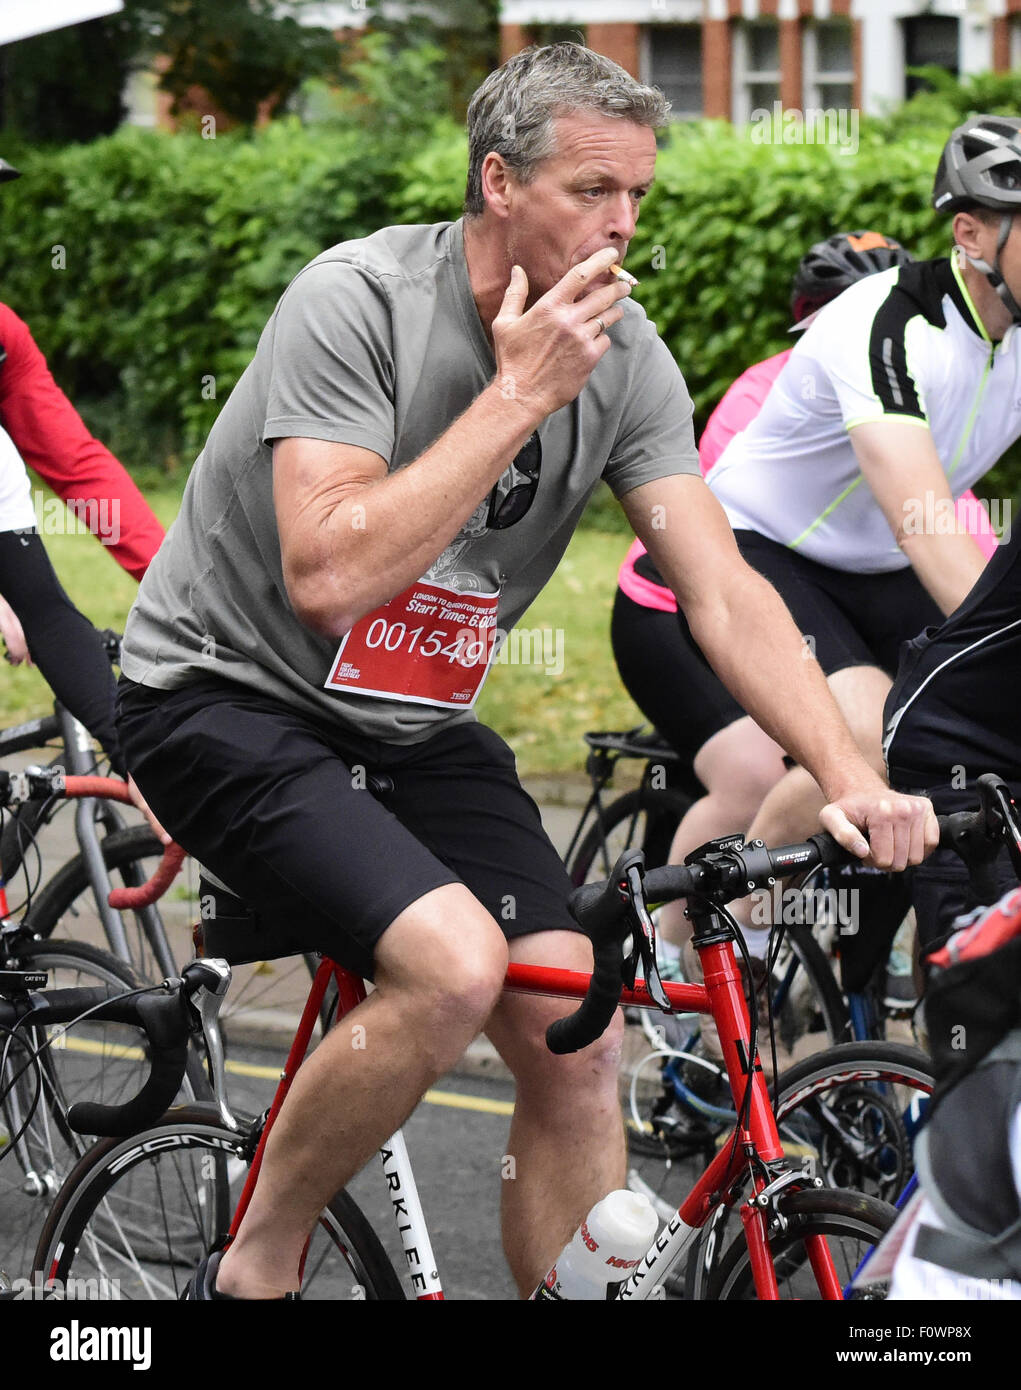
[(439, 967), (738, 766), (567, 1135), (790, 812)]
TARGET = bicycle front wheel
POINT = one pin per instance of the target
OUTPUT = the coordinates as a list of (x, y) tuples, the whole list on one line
[(92, 1060), (846, 1114), (137, 1214), (851, 1223)]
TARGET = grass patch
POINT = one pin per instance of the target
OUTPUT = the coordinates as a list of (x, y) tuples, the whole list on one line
[(543, 716), (541, 712)]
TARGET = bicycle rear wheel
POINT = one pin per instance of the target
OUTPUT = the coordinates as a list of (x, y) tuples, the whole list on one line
[(97, 1061), (645, 818), (852, 1225), (137, 1214)]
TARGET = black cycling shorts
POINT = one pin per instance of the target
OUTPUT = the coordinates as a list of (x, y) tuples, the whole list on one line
[(667, 676), (850, 619), (280, 808)]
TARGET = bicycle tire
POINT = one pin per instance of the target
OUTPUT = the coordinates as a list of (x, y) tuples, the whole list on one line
[(139, 1213), (852, 1222), (36, 1165), (828, 1002), (809, 1115), (650, 815), (265, 1000)]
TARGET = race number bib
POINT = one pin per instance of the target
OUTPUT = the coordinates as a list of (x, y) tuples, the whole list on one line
[(430, 645)]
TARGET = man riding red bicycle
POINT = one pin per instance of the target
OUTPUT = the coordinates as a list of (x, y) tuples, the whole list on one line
[(398, 471)]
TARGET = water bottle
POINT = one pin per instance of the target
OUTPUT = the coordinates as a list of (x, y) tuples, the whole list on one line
[(603, 1251)]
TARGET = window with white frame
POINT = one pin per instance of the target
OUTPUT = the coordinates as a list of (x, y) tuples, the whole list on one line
[(672, 61), (829, 65), (1015, 42), (757, 64)]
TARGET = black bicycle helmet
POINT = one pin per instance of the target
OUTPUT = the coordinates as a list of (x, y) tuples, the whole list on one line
[(980, 163), (828, 267), (981, 167), (8, 171)]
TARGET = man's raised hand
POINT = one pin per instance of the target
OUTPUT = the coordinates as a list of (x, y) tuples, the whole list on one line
[(546, 354)]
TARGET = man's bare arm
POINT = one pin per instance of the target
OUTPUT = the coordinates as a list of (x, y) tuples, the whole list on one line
[(352, 534), (749, 638), (902, 468)]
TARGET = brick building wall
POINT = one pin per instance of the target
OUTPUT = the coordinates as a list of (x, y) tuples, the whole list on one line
[(625, 29)]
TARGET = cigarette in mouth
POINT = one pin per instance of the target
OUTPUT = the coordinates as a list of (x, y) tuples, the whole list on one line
[(623, 274)]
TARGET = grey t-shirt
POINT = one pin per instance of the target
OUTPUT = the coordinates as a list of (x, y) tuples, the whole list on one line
[(378, 343)]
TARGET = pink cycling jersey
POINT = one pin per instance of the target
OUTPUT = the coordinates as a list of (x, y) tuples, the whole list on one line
[(735, 412)]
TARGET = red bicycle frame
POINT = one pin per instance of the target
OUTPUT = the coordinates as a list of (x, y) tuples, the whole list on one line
[(723, 998), (756, 1140)]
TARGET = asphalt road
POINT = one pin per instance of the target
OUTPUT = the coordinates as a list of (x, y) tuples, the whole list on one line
[(457, 1139)]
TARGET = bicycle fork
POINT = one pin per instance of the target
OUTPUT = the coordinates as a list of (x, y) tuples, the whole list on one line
[(756, 1137)]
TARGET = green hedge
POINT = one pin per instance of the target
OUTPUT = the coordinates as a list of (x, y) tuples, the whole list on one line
[(177, 248)]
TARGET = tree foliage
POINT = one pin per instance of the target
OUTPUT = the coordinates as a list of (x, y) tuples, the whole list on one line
[(242, 52), (69, 85), (466, 33)]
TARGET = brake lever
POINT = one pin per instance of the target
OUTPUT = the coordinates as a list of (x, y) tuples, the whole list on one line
[(643, 942), (215, 976), (1002, 814)]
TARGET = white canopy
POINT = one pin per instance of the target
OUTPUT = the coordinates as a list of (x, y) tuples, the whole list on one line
[(20, 19)]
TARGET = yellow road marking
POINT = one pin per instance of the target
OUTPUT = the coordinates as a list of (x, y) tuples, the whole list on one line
[(459, 1102), (261, 1073), (453, 1099)]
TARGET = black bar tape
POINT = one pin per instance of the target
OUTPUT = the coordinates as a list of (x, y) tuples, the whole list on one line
[(165, 1019), (599, 909)]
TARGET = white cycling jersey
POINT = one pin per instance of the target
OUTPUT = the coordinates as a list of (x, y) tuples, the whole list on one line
[(905, 344), (16, 511)]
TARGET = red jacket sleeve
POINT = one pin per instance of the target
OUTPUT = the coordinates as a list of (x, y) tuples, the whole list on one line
[(52, 438)]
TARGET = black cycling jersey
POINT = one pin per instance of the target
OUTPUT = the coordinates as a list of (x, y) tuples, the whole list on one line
[(953, 711), (952, 715)]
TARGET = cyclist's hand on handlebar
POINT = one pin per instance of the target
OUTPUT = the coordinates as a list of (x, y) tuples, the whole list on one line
[(901, 829), (143, 806)]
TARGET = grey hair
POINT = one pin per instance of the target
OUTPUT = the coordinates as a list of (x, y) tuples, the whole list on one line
[(512, 113)]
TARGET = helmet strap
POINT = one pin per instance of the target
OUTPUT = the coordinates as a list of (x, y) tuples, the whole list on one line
[(993, 274)]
